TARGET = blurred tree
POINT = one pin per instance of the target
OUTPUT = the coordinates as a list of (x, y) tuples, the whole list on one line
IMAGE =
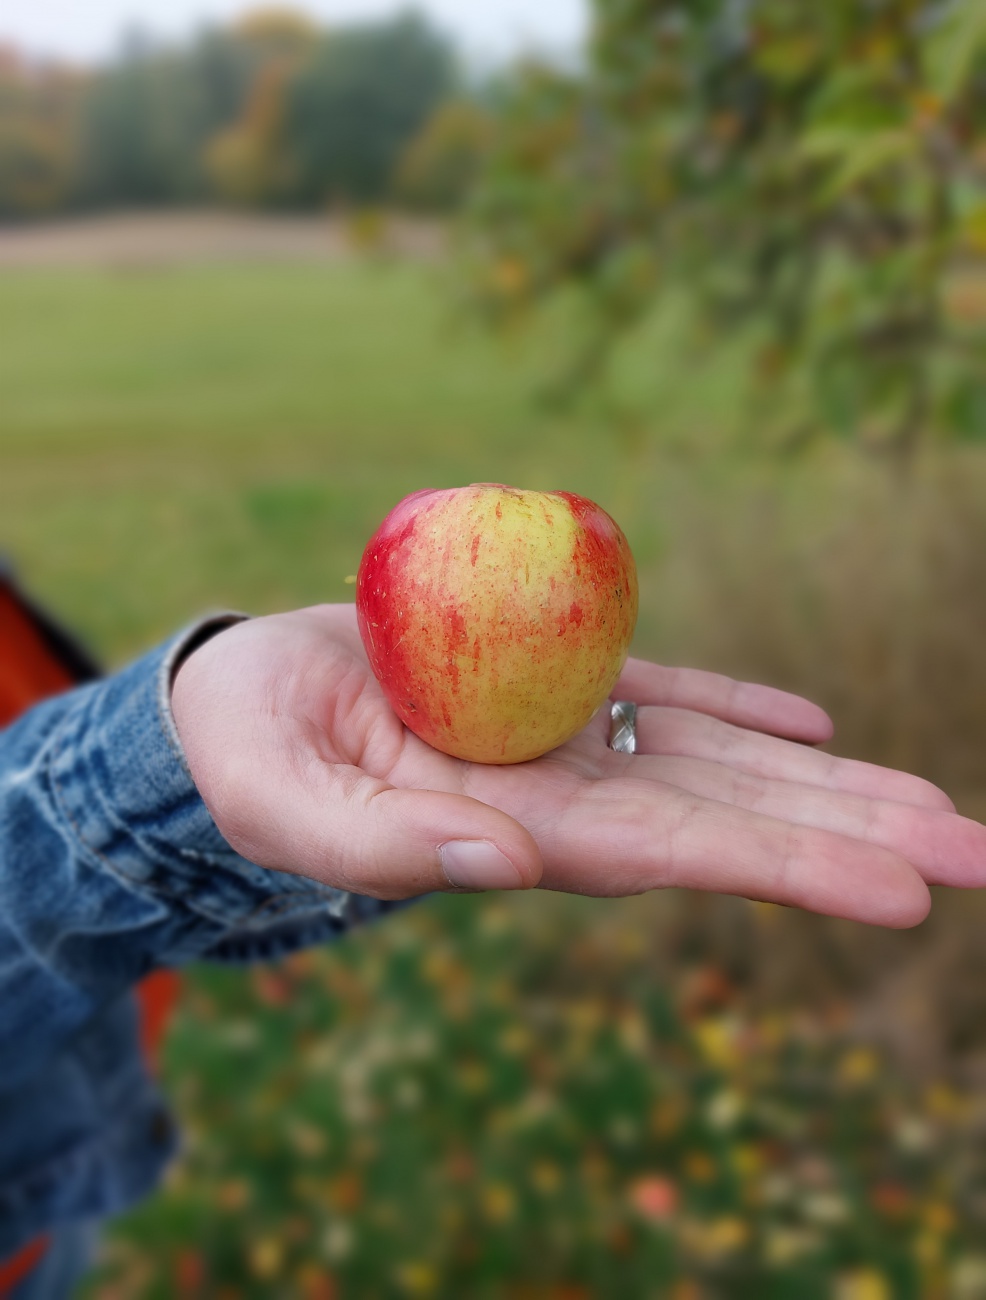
[(444, 160), (355, 106), (250, 161), (284, 34), (812, 170), (167, 125), (267, 111), (246, 162), (147, 118), (38, 109)]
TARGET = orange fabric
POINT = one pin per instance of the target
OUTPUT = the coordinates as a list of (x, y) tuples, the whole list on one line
[(28, 670), (157, 994), (28, 673)]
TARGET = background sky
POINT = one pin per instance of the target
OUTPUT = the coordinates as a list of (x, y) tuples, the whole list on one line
[(90, 29)]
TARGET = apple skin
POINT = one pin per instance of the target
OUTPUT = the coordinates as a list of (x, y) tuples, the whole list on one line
[(496, 620)]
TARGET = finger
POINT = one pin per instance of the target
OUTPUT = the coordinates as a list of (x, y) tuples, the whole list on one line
[(625, 837), (348, 830), (946, 849), (691, 735), (761, 708)]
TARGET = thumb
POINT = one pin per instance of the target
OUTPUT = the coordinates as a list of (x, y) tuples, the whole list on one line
[(351, 831)]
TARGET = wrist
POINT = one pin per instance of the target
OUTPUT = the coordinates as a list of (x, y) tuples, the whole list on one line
[(195, 638)]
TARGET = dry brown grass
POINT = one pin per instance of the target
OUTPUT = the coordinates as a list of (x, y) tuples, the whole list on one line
[(156, 239)]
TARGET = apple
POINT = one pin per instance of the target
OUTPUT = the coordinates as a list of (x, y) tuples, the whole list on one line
[(496, 620)]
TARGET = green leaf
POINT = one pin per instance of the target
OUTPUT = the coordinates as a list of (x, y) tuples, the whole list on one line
[(855, 155), (790, 57), (856, 98), (965, 409), (951, 50), (839, 391)]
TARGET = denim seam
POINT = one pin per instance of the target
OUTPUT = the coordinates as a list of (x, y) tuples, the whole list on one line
[(279, 904), (119, 874), (58, 741)]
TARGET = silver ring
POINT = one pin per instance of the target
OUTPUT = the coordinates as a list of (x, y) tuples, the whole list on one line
[(623, 727)]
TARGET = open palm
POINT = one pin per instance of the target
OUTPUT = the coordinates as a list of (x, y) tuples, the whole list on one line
[(306, 768)]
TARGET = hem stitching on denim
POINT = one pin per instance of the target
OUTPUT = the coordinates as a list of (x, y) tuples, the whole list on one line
[(278, 903)]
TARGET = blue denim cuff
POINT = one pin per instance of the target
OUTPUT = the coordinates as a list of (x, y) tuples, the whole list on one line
[(120, 780)]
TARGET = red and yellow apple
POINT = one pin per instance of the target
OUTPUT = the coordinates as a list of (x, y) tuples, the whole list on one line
[(496, 620)]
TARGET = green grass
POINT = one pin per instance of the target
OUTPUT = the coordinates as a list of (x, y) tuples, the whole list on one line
[(179, 438), (538, 1097), (173, 439)]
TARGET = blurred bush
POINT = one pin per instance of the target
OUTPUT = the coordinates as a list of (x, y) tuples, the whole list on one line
[(536, 1098), (808, 172), (440, 166)]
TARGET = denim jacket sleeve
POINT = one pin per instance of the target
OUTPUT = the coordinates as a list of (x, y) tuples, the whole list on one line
[(110, 867)]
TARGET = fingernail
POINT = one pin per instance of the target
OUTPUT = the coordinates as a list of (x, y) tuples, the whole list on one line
[(477, 864)]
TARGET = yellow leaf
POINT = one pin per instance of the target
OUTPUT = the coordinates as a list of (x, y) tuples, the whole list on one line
[(514, 1040), (546, 1177), (942, 1102), (699, 1167), (716, 1238), (862, 1284), (748, 1160), (727, 1234), (509, 277), (234, 1194), (368, 229), (858, 1066), (724, 1109), (939, 1218), (784, 1245), (667, 1115), (499, 1202), (266, 1257), (417, 1278)]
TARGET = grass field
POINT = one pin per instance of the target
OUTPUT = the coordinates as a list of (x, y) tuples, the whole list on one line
[(182, 437), (536, 1097)]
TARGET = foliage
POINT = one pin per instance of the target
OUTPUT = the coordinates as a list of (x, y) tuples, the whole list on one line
[(38, 109), (268, 111), (440, 166), (810, 171), (248, 161), (499, 1099), (149, 116), (352, 110)]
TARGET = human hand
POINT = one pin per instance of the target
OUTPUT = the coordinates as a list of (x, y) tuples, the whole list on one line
[(306, 768)]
